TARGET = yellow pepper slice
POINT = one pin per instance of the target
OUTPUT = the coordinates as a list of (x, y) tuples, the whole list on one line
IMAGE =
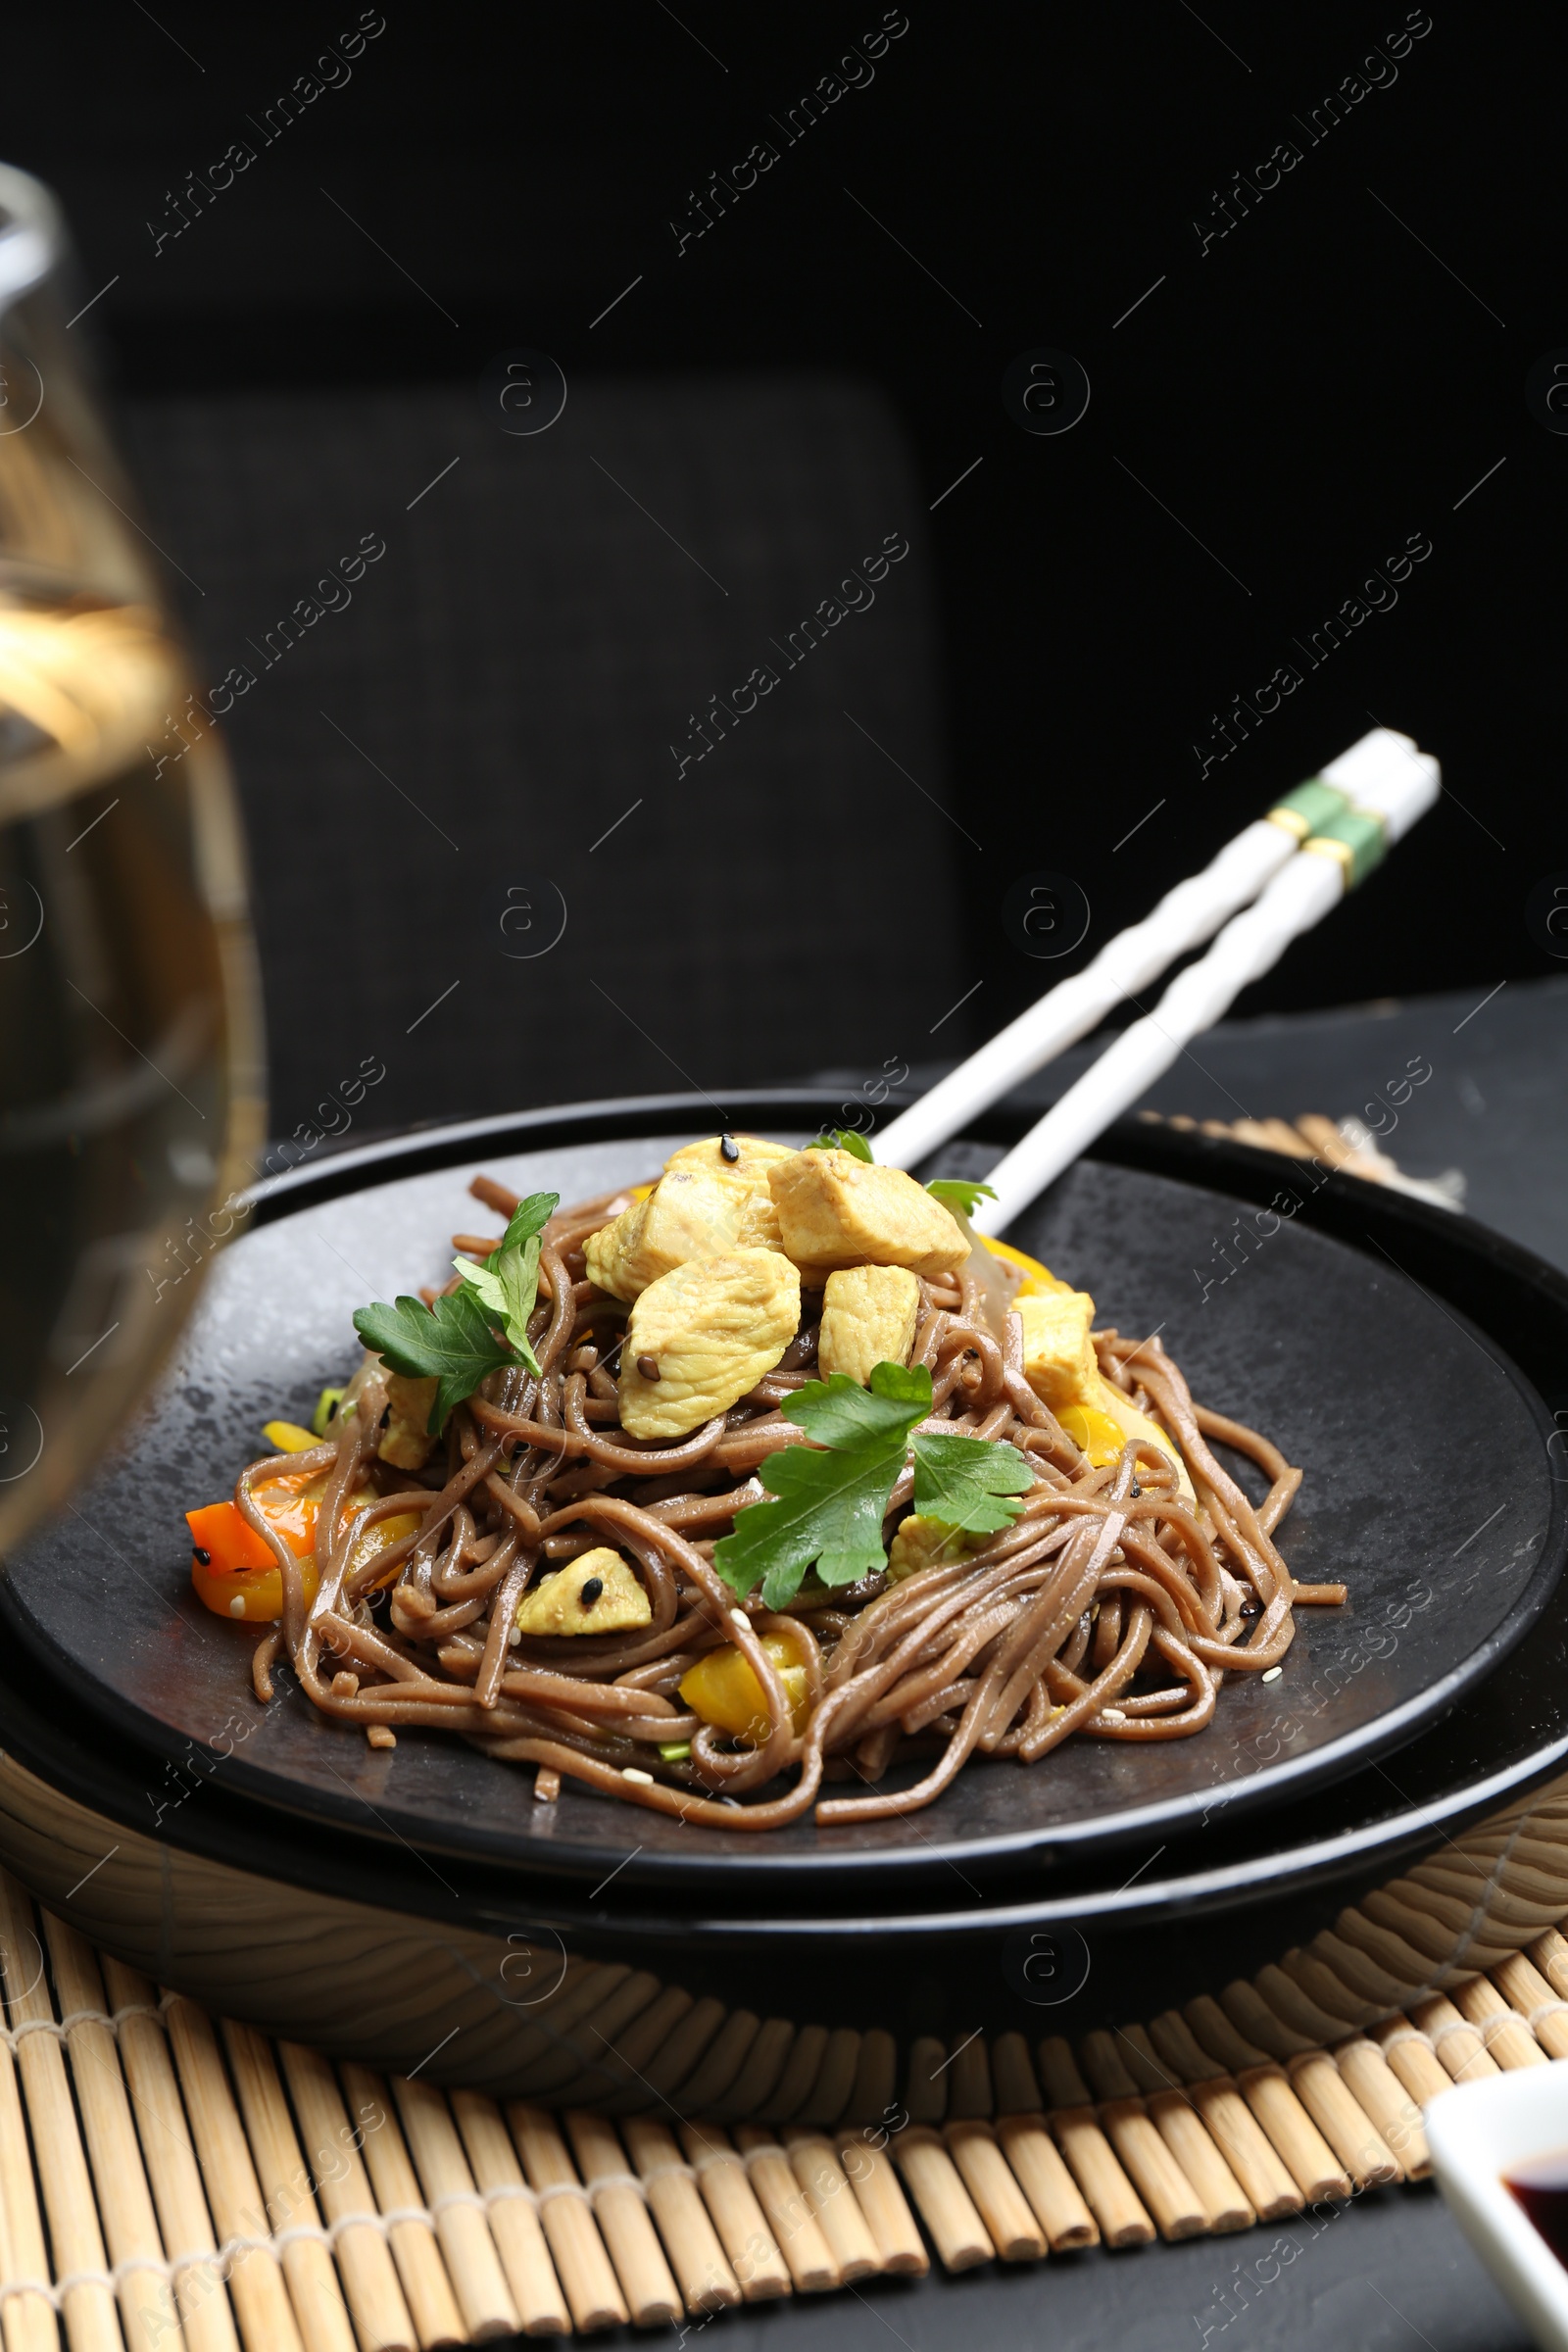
[(287, 1437), (378, 1534), (724, 1692), (1038, 1280), (1094, 1432)]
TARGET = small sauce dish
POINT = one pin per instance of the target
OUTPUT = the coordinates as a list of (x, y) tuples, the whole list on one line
[(1511, 2127)]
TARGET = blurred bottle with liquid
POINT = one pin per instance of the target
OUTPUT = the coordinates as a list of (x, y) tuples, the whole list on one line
[(130, 1082)]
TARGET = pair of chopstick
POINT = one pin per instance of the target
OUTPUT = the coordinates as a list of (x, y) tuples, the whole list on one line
[(1276, 879)]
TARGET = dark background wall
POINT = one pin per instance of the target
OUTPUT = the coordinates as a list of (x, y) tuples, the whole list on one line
[(1283, 397)]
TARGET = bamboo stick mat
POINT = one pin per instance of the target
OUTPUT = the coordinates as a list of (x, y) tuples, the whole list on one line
[(1343, 1144), (171, 2181)]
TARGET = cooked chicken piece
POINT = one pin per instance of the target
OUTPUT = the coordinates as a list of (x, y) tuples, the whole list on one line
[(406, 1441), (691, 1212), (753, 1155), (700, 1336), (1059, 1357), (837, 1212), (869, 1318), (759, 1228), (598, 1592), (928, 1544), (1062, 1367)]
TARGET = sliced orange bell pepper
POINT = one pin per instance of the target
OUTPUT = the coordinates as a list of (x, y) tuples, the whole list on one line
[(234, 1569), (231, 1544)]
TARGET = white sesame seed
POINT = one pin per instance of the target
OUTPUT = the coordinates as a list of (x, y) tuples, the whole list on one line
[(644, 1778), (236, 1607), (1273, 1674), (1112, 1715), (515, 1636), (740, 1617)]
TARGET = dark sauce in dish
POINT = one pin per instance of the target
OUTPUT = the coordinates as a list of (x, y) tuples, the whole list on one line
[(1541, 2185)]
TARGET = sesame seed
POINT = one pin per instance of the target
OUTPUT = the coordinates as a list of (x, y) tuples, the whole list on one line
[(740, 1617), (203, 1560), (729, 1148), (236, 1607), (1112, 1715), (591, 1591), (1273, 1674), (648, 1366), (644, 1780)]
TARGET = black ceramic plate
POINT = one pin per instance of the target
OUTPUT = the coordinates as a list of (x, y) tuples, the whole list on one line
[(1427, 1488)]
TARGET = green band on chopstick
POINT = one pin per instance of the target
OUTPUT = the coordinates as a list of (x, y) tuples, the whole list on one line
[(1308, 808), (1357, 838)]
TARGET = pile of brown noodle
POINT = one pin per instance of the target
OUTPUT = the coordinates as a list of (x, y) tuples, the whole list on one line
[(1110, 1609)]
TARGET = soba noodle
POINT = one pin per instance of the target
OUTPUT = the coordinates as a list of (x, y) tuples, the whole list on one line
[(1112, 1608)]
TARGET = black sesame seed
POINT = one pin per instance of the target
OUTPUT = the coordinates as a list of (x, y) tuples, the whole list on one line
[(203, 1560), (1135, 1489), (648, 1366), (591, 1591), (1251, 1608), (385, 1418), (730, 1148)]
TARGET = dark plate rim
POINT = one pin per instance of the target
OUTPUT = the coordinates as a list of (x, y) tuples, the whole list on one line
[(1338, 1207)]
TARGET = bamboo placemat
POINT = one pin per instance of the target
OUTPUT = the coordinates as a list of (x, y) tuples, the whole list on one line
[(1345, 1145), (169, 2180)]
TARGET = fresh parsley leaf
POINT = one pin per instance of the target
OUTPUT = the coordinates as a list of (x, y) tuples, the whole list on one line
[(827, 1507), (971, 1482), (960, 1193), (842, 1139), (828, 1512), (451, 1343), (839, 1412), (507, 1301), (529, 1217), (508, 1284)]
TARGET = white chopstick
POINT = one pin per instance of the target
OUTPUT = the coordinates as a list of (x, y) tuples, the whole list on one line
[(1184, 920), (1333, 860)]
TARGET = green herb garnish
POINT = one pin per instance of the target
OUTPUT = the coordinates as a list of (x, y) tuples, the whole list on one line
[(454, 1341), (826, 1507), (960, 1193), (451, 1343), (843, 1139), (969, 1483), (508, 1284)]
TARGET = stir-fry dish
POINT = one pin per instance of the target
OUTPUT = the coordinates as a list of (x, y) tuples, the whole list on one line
[(763, 1489)]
